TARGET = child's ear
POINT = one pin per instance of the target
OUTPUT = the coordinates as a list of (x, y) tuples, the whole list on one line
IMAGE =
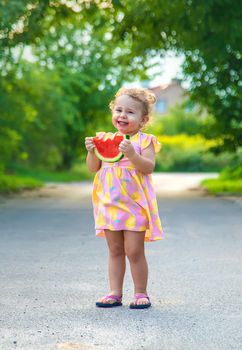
[(144, 120)]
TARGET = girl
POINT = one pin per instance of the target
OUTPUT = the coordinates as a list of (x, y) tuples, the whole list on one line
[(125, 207)]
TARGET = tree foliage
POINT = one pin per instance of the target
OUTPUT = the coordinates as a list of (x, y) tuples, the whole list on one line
[(62, 94), (82, 51), (209, 34)]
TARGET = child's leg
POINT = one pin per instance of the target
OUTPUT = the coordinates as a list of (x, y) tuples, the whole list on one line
[(116, 262), (134, 249)]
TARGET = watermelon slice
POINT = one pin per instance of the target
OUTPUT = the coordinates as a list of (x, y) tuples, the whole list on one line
[(106, 147)]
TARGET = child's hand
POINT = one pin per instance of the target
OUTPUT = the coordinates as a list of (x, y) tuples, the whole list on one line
[(127, 148), (89, 144)]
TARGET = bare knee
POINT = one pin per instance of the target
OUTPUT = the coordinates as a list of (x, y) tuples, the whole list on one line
[(116, 250), (115, 243), (134, 255)]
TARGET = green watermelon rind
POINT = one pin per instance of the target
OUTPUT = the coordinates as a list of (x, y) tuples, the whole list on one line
[(110, 160)]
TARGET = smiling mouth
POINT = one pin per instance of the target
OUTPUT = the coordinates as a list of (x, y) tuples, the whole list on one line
[(122, 123)]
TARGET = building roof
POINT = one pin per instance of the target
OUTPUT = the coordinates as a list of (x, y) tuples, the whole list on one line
[(163, 87)]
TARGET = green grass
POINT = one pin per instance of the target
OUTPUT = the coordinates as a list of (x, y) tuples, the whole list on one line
[(12, 183), (78, 173), (223, 187), (229, 182), (26, 178)]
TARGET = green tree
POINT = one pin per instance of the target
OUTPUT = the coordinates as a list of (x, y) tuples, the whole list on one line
[(67, 89), (180, 119), (13, 120), (209, 34), (123, 35)]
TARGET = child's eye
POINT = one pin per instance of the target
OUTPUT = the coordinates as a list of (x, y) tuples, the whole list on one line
[(118, 110), (131, 112)]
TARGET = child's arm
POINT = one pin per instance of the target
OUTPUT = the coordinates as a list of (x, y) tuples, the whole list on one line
[(93, 163), (145, 162)]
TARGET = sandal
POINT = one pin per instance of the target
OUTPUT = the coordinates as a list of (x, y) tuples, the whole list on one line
[(138, 296), (117, 302)]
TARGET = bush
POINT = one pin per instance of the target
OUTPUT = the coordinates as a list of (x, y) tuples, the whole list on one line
[(79, 172), (219, 186), (185, 118), (11, 183), (230, 179), (189, 154)]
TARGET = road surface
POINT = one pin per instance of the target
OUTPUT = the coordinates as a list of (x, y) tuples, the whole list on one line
[(53, 268)]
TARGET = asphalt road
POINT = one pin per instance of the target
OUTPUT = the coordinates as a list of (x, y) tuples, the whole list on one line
[(53, 268)]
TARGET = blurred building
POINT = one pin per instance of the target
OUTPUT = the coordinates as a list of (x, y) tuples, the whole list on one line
[(168, 95)]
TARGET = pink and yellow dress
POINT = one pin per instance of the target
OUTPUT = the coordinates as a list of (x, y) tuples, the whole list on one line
[(124, 198)]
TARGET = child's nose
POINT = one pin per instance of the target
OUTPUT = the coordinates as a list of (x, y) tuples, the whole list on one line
[(123, 114)]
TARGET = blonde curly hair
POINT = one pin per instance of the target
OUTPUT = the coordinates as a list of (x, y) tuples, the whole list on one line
[(145, 96)]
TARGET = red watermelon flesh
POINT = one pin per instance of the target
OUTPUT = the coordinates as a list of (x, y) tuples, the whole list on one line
[(106, 149)]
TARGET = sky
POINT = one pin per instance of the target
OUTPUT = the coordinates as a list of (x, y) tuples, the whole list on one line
[(167, 68)]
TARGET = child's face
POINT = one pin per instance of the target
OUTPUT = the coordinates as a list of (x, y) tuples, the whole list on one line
[(127, 115)]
